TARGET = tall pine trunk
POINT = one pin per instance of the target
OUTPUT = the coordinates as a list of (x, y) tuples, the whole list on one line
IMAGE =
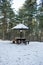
[(4, 26)]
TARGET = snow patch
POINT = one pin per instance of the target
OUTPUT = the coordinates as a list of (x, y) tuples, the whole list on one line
[(14, 54)]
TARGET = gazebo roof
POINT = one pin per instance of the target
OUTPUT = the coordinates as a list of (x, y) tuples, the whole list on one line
[(20, 26)]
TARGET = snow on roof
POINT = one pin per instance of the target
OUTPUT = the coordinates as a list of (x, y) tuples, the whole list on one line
[(20, 26)]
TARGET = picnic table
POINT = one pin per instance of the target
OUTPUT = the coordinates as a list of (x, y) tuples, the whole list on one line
[(19, 40)]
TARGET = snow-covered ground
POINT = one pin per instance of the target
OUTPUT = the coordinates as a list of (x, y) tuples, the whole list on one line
[(14, 54)]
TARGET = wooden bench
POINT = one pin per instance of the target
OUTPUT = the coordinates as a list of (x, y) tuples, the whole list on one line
[(20, 40)]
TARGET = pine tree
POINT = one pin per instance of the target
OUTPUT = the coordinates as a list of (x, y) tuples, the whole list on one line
[(26, 14), (27, 11), (7, 15)]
